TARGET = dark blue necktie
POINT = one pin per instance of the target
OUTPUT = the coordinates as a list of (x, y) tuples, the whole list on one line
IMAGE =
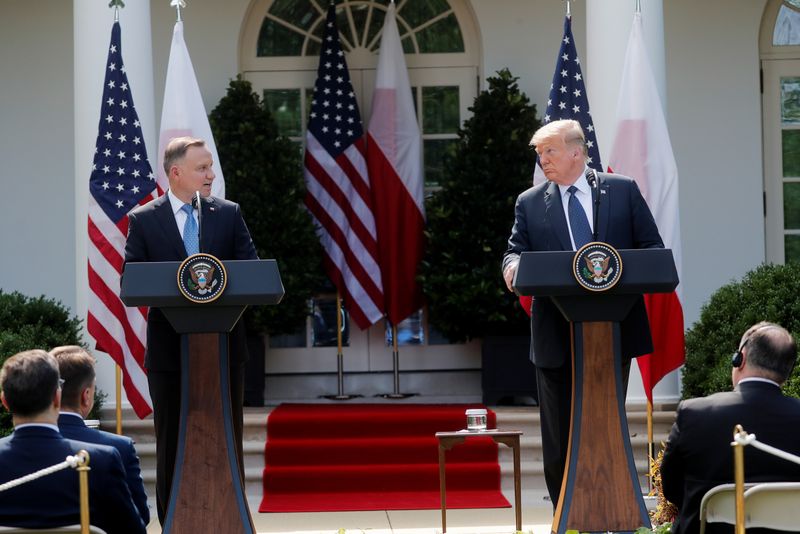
[(581, 232), (190, 240)]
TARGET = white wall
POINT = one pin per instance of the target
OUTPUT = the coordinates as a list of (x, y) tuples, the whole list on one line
[(714, 117), (37, 235)]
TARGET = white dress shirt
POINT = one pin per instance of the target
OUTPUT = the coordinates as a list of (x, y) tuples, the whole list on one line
[(177, 211)]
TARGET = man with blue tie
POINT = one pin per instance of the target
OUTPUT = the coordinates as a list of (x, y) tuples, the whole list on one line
[(168, 229), (76, 367), (575, 206)]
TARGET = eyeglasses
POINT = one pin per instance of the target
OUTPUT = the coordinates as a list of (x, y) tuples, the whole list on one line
[(60, 383)]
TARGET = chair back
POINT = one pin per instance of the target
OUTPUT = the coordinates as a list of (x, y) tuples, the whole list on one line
[(718, 506), (71, 529), (774, 505)]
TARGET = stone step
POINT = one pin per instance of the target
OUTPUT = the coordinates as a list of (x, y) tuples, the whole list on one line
[(525, 419)]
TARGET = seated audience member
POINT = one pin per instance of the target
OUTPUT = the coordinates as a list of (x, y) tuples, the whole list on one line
[(698, 454), (76, 367), (30, 389)]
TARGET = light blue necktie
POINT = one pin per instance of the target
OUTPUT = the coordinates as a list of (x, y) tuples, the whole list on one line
[(190, 240), (578, 223)]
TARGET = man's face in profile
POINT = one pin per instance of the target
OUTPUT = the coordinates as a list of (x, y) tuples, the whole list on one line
[(194, 173), (560, 162)]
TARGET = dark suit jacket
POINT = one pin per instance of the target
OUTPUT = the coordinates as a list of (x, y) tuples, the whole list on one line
[(53, 500), (73, 427), (154, 236), (698, 455), (623, 221)]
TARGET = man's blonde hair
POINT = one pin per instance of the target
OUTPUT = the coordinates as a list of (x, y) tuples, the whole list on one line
[(569, 130)]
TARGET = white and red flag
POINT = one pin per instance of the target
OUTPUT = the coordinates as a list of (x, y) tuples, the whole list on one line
[(642, 150), (183, 112), (121, 180), (394, 158), (338, 191)]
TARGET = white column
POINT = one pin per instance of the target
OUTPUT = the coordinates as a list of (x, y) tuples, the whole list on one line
[(92, 22), (608, 27)]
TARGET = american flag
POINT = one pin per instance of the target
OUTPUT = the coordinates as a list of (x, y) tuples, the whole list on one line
[(338, 187), (121, 179), (568, 94)]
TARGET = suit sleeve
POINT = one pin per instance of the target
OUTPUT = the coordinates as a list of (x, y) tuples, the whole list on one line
[(244, 249), (135, 246), (672, 468), (116, 497), (645, 230), (519, 241), (133, 475)]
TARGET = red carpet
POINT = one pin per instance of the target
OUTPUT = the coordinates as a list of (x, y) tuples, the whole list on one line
[(331, 457)]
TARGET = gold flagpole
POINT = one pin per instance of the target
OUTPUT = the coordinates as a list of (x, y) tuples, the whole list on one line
[(341, 395), (118, 379), (650, 447)]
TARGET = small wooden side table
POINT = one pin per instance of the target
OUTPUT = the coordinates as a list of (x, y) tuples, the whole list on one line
[(510, 438)]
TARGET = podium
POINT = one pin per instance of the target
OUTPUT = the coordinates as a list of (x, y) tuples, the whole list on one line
[(207, 493), (600, 491)]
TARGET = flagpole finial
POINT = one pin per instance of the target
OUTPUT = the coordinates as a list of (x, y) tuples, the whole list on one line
[(116, 4), (569, 10), (178, 4), (638, 8)]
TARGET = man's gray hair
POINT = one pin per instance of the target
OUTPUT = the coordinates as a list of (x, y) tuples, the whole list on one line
[(176, 150)]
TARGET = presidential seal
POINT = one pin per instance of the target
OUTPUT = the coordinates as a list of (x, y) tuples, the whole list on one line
[(202, 278), (597, 266)]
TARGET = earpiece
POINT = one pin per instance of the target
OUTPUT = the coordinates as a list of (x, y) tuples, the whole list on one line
[(737, 359)]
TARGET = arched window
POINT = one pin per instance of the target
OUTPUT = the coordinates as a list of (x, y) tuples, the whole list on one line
[(279, 51), (780, 63)]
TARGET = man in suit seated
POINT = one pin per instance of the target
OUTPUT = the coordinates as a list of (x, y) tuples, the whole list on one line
[(30, 389), (76, 367), (698, 454)]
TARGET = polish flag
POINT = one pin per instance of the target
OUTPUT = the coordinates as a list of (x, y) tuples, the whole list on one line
[(642, 150), (394, 161), (183, 112)]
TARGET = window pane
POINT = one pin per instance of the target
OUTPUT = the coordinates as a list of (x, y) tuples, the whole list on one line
[(409, 331), (345, 33), (416, 12), (790, 100), (375, 26), (278, 40), (300, 13), (323, 331), (289, 341), (436, 338), (440, 109), (791, 206), (791, 152), (359, 12), (436, 156), (787, 27), (791, 248), (284, 104), (408, 45), (441, 37)]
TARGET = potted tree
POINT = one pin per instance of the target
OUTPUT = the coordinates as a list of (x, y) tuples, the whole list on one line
[(469, 221), (263, 173)]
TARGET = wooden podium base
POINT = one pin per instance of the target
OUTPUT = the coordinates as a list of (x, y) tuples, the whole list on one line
[(207, 492), (600, 491)]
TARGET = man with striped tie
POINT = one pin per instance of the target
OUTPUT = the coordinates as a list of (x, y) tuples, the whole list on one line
[(575, 206)]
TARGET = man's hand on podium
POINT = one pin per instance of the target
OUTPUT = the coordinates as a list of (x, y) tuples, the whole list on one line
[(509, 273)]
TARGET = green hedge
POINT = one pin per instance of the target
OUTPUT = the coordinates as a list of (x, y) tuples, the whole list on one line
[(33, 323), (768, 293)]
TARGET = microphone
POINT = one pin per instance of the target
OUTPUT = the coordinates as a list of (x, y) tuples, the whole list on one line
[(591, 177), (196, 204)]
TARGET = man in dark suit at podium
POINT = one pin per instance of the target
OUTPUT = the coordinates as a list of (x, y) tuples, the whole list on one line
[(166, 229), (698, 455), (575, 206), (31, 391), (76, 367)]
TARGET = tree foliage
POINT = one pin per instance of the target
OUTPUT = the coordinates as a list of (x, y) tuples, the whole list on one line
[(263, 173), (33, 323), (470, 217), (767, 293)]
